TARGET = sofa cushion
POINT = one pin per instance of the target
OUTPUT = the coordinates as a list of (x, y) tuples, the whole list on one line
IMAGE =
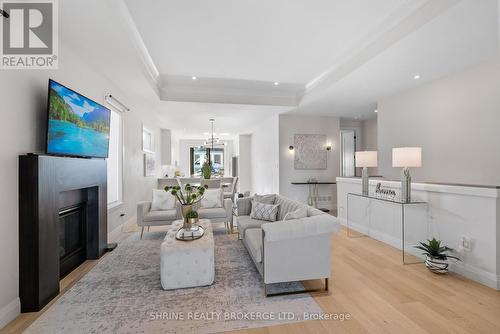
[(266, 199), (245, 222), (160, 215), (211, 213), (286, 206), (253, 240), (212, 198), (297, 214), (262, 211), (162, 200)]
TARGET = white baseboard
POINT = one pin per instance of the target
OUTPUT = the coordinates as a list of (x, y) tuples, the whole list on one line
[(9, 312), (467, 270), (476, 274)]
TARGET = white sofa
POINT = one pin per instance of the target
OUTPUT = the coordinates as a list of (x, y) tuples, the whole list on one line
[(288, 251)]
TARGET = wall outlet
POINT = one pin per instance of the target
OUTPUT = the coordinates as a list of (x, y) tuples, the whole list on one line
[(466, 244)]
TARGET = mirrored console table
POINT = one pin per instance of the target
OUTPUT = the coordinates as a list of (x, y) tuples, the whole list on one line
[(395, 201), (312, 198)]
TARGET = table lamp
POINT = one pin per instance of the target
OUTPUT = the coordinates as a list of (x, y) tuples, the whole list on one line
[(365, 159), (406, 157)]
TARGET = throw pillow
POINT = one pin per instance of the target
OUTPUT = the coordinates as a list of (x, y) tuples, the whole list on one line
[(162, 200), (297, 214), (266, 199), (261, 211), (212, 198)]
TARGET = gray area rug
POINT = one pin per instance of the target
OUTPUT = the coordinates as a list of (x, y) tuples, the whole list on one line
[(122, 294)]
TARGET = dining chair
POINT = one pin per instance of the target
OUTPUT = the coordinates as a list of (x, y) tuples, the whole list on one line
[(211, 183), (191, 180)]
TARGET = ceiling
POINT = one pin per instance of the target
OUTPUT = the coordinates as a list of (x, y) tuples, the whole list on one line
[(278, 40), (330, 57)]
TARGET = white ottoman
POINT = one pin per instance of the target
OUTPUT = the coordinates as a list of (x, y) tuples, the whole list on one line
[(186, 264)]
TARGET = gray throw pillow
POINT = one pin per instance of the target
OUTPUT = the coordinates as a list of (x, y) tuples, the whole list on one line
[(266, 199), (261, 211)]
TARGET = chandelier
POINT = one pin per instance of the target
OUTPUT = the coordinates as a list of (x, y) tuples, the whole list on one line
[(213, 141)]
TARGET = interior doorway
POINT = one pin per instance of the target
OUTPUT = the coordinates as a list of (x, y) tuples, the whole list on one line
[(347, 153)]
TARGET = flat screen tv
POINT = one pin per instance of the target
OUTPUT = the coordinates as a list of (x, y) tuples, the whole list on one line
[(77, 126)]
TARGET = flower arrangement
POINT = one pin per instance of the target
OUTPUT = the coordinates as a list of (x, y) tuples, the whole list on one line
[(191, 194)]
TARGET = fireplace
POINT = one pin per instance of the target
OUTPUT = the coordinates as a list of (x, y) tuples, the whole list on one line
[(72, 244), (62, 222)]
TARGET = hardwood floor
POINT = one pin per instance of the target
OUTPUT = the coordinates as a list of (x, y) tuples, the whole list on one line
[(381, 295)]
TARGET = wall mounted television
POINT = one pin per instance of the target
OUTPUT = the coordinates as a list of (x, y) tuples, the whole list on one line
[(77, 126)]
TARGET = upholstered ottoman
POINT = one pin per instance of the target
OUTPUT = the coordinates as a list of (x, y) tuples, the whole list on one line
[(186, 264)]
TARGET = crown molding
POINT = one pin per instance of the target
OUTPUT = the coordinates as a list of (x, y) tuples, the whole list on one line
[(226, 90), (149, 67)]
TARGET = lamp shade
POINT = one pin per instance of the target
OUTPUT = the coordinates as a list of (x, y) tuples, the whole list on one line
[(407, 157), (366, 159)]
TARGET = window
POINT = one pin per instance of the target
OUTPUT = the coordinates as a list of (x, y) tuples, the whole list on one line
[(198, 155), (115, 160)]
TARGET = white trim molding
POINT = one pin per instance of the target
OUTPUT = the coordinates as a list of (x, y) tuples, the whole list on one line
[(10, 311)]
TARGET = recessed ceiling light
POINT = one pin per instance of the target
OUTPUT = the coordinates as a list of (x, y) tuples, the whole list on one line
[(276, 83), (194, 78), (375, 111), (416, 76)]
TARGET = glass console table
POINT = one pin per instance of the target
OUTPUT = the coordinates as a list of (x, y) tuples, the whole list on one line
[(395, 201)]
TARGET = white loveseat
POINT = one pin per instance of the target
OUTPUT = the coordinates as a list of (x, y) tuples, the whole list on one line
[(291, 250)]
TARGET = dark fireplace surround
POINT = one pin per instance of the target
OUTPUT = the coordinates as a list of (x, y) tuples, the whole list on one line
[(62, 222)]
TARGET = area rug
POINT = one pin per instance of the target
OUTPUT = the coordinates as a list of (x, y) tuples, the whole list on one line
[(122, 294)]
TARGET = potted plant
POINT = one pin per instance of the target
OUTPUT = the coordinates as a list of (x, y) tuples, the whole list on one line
[(206, 170), (187, 198), (436, 257), (192, 218)]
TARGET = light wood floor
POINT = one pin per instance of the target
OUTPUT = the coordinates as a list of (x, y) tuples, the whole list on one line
[(379, 293)]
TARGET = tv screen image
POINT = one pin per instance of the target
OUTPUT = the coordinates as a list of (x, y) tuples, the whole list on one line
[(77, 126)]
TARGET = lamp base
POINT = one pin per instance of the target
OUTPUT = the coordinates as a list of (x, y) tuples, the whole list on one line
[(405, 185), (364, 181)]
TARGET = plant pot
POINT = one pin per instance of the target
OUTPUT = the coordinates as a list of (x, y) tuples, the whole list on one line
[(193, 224), (437, 266), (185, 208)]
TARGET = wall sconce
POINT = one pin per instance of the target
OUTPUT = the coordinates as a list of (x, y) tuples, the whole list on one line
[(329, 147), (4, 13), (291, 148)]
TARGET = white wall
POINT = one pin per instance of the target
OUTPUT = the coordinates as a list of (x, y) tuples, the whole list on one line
[(245, 163), (456, 121), (290, 125), (23, 110), (370, 134), (370, 140), (265, 157)]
